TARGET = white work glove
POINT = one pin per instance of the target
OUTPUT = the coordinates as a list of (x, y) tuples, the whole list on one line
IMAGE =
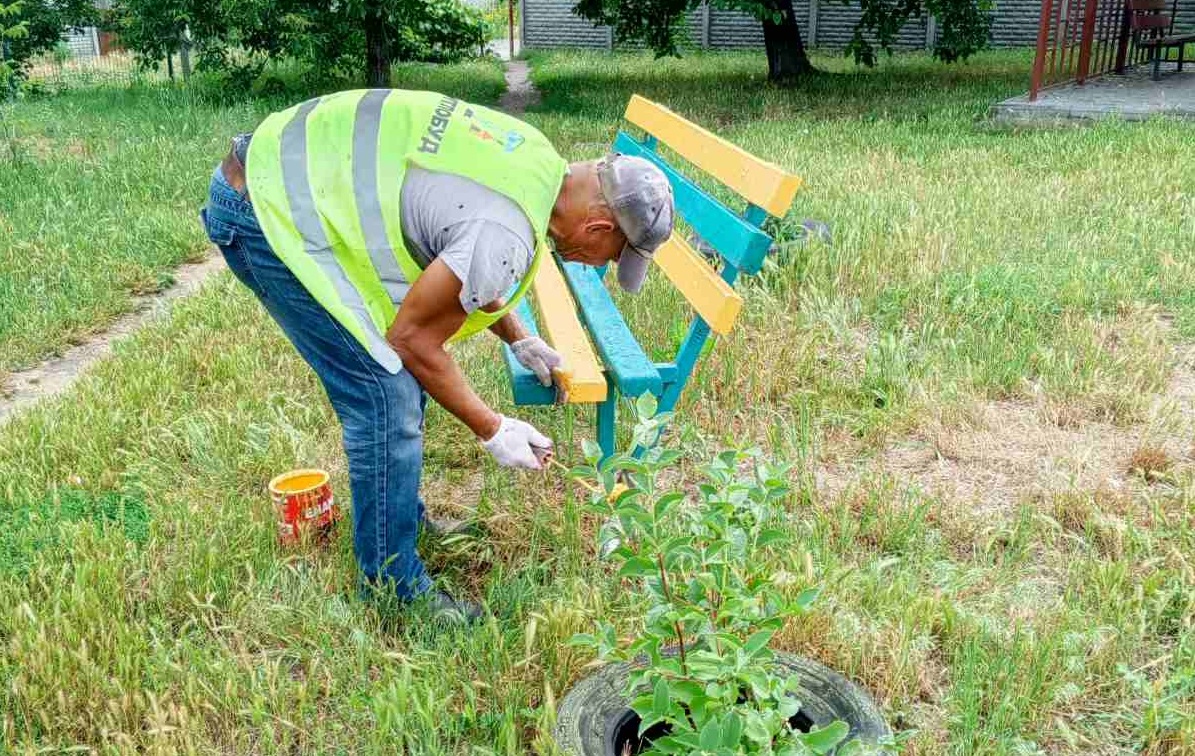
[(512, 445), (535, 355)]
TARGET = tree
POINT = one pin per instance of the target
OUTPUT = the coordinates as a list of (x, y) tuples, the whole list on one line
[(155, 29), (10, 28), (29, 27), (963, 27), (349, 38)]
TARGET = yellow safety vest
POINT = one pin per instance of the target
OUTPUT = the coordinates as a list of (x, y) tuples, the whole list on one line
[(326, 177)]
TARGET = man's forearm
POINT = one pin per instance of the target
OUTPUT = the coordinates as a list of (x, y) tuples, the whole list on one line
[(509, 327), (443, 381)]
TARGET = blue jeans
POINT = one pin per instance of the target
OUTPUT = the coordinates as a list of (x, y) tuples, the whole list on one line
[(381, 414)]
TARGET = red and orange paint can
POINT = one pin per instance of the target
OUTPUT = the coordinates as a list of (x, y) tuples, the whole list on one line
[(304, 505)]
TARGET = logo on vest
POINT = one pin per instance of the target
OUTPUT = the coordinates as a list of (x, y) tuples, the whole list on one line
[(486, 131), (435, 129)]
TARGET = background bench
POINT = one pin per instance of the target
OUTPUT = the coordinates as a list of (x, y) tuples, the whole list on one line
[(1153, 31), (603, 359)]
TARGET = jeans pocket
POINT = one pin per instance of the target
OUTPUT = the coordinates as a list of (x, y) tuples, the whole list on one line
[(220, 233)]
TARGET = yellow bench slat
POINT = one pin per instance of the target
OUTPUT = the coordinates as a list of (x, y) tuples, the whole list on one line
[(760, 182), (581, 373), (713, 299)]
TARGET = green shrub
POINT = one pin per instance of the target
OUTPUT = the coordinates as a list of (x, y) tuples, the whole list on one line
[(697, 550)]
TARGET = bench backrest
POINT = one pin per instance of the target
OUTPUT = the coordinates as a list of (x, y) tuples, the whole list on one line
[(582, 321), (1147, 15), (737, 237)]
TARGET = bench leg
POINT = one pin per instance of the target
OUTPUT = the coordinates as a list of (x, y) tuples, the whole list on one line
[(1157, 69), (607, 413)]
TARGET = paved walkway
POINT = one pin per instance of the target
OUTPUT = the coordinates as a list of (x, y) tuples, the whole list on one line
[(1132, 96), (500, 47), (520, 92)]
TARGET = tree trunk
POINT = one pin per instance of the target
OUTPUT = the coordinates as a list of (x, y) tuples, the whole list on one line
[(786, 53), (377, 54), (184, 53)]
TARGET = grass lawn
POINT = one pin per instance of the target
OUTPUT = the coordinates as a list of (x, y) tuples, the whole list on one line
[(985, 379), (99, 197)]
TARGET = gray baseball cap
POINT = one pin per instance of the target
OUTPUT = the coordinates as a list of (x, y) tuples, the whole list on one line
[(640, 197)]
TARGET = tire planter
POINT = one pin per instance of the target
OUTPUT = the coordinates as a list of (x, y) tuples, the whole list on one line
[(595, 718)]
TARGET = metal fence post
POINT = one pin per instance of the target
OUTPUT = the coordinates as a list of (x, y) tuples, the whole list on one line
[(931, 32), (1043, 42)]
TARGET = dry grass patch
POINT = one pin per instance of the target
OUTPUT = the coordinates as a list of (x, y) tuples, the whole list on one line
[(996, 454), (1150, 461)]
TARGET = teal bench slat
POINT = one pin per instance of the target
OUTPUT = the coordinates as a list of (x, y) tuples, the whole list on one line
[(626, 363), (742, 244), (527, 389)]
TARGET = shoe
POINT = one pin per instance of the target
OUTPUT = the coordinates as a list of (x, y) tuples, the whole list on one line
[(453, 611), (442, 527)]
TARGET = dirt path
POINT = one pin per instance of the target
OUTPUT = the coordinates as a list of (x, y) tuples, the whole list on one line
[(26, 387), (520, 92)]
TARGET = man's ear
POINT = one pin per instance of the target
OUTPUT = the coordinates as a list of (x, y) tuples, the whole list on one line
[(599, 226)]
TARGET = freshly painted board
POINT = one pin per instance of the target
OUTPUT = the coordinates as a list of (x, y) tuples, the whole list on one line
[(760, 182), (626, 364), (525, 386), (712, 298), (742, 244), (562, 329)]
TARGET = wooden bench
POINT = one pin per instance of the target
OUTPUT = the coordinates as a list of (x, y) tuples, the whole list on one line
[(1153, 31), (603, 360)]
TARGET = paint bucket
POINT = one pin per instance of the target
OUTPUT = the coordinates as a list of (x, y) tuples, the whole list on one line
[(305, 506)]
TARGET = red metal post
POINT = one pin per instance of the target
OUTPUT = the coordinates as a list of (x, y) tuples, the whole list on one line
[(1086, 41), (1043, 42), (1066, 43)]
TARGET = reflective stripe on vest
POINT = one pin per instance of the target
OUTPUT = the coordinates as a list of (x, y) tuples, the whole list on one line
[(315, 242), (365, 186)]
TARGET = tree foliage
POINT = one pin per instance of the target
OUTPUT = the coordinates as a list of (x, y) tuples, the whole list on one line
[(329, 38), (29, 27), (154, 29), (10, 28), (963, 25)]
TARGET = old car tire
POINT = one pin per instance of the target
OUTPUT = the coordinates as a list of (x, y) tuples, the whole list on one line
[(591, 713)]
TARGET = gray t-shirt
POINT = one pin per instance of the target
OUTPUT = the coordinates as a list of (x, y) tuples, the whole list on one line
[(482, 236)]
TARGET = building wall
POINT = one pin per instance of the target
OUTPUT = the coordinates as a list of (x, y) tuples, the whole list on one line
[(1184, 19), (730, 30), (82, 42), (551, 23), (1014, 22), (824, 23)]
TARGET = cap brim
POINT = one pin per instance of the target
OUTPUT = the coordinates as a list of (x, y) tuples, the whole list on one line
[(632, 270)]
